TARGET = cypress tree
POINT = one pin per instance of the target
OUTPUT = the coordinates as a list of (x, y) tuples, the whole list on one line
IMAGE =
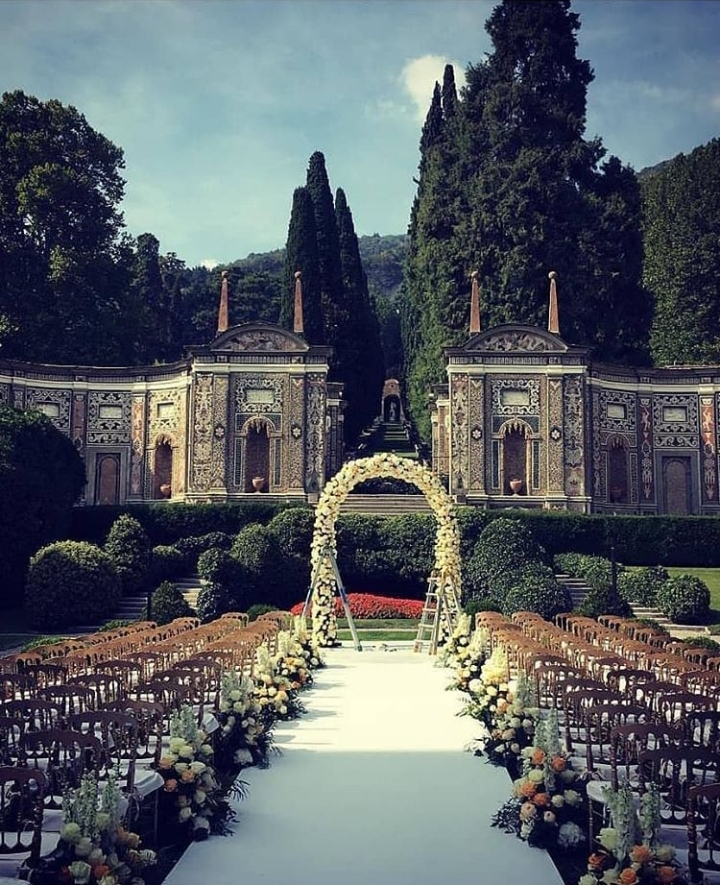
[(364, 367), (301, 254), (681, 218), (328, 250)]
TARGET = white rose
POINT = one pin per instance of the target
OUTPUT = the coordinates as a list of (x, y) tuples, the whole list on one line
[(184, 814)]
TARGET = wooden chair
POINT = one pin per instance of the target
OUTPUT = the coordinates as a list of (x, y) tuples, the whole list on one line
[(22, 791), (118, 733), (37, 714), (16, 686), (674, 708), (575, 704), (600, 722), (106, 687), (70, 698), (11, 733), (703, 849), (702, 728), (63, 756), (128, 671), (149, 717), (674, 771)]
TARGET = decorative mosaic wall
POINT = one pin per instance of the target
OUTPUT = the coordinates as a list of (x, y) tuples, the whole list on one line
[(476, 442), (219, 433), (709, 448), (675, 421), (574, 431), (515, 397), (556, 471), (4, 394), (137, 453), (54, 403), (295, 444), (202, 441), (647, 475), (314, 432), (108, 418), (459, 443)]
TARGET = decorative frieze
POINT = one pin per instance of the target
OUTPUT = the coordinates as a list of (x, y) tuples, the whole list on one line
[(476, 442), (709, 448), (53, 402), (574, 432), (555, 469), (675, 421), (646, 448), (459, 441), (314, 432), (108, 418), (515, 397)]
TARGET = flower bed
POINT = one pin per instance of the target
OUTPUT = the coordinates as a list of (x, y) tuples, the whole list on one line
[(373, 606)]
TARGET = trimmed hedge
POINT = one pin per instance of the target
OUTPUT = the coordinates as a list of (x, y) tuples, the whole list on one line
[(685, 600), (167, 562), (128, 547), (641, 586), (71, 583), (537, 590), (167, 603)]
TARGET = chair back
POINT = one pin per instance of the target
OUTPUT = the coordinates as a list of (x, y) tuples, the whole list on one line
[(703, 856), (22, 791)]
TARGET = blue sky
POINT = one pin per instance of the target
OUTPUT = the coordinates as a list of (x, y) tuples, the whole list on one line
[(218, 104)]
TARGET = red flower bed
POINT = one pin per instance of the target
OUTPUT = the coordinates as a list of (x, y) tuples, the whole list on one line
[(373, 606)]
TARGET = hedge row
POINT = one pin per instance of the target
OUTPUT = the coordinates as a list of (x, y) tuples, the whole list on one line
[(639, 540)]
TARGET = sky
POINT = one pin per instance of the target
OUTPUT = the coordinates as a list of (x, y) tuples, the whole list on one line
[(218, 104)]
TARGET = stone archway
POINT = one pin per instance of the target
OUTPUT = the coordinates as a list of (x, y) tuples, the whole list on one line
[(447, 539)]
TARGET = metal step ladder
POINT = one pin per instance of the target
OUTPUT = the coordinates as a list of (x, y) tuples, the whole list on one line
[(439, 616)]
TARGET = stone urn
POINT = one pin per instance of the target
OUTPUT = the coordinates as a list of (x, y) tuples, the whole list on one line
[(258, 484), (516, 484)]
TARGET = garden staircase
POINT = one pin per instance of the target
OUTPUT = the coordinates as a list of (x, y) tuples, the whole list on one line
[(439, 616), (577, 588)]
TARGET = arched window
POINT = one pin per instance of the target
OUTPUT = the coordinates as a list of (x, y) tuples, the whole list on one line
[(163, 469), (617, 488), (257, 457), (516, 459)]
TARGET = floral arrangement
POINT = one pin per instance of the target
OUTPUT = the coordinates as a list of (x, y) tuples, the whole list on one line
[(290, 663), (447, 542), (274, 693), (190, 782), (457, 644), (549, 797), (629, 851), (94, 848), (512, 729), (487, 687), (245, 729), (306, 648), (374, 606)]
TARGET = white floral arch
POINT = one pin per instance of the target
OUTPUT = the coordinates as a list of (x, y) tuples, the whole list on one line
[(447, 540)]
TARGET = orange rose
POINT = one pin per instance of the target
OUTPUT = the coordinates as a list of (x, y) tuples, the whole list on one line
[(558, 763), (665, 874), (526, 790), (596, 860), (502, 706), (541, 799), (170, 785), (627, 876), (187, 776), (538, 756), (640, 854), (99, 871)]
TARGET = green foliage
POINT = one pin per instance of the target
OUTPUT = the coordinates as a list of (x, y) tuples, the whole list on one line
[(256, 549), (129, 548), (603, 602), (681, 226), (115, 623), (641, 586), (167, 562), (701, 640), (596, 571), (481, 605), (70, 583), (167, 603), (538, 591), (301, 254), (213, 600), (220, 567), (506, 543), (42, 641), (258, 610), (293, 531), (41, 476), (509, 186), (684, 600), (191, 547)]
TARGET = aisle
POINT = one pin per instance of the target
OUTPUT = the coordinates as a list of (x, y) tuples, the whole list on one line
[(372, 788)]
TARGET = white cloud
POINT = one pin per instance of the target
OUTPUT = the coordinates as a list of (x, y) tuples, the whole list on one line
[(209, 263), (715, 102), (418, 78)]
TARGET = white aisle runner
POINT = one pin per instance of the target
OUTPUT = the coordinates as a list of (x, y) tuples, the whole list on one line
[(373, 787)]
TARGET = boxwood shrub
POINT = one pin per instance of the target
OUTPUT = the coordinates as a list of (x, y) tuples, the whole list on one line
[(641, 586), (684, 599), (71, 583), (537, 590), (167, 603), (213, 600), (167, 562), (128, 547)]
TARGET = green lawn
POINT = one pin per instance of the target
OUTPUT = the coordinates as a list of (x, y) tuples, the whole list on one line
[(369, 635)]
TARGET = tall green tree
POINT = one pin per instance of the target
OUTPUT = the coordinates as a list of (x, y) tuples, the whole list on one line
[(335, 314), (301, 254), (60, 192), (681, 221), (41, 477), (510, 186), (363, 357)]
